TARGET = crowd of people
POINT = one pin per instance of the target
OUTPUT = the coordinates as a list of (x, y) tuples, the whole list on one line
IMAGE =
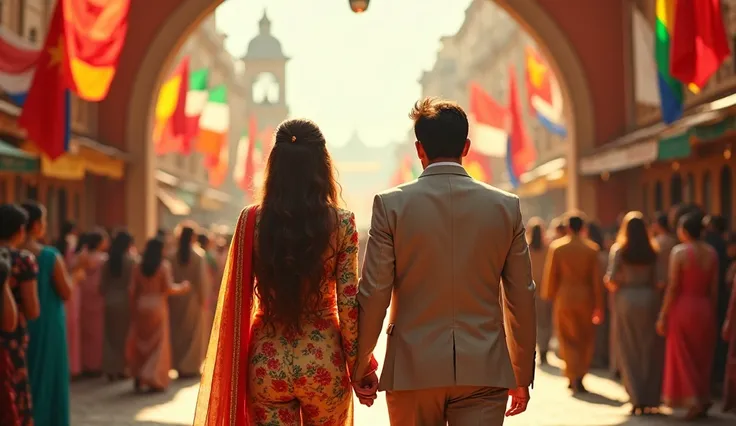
[(89, 306), (653, 302)]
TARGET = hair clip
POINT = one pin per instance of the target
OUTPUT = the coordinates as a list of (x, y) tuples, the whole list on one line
[(293, 139)]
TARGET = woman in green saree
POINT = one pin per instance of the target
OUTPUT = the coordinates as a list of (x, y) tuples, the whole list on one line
[(48, 362)]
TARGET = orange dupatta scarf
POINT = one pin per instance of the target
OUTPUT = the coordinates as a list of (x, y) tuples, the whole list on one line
[(222, 397)]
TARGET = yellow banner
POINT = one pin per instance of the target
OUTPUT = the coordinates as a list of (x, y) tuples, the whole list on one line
[(76, 166)]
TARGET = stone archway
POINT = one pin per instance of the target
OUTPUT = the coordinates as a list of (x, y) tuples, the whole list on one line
[(125, 118), (594, 87), (579, 111)]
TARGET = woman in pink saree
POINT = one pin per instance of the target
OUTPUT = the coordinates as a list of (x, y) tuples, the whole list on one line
[(150, 345), (284, 345), (92, 306)]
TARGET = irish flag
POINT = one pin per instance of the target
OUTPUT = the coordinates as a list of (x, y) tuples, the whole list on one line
[(670, 90), (196, 100), (17, 64), (214, 122)]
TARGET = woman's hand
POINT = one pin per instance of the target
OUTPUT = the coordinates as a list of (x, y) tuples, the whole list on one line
[(366, 389), (661, 326), (611, 286)]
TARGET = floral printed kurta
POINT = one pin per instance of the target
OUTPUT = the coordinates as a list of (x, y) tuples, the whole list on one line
[(304, 378)]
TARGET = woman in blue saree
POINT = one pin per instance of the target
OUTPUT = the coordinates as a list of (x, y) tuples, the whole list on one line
[(48, 362)]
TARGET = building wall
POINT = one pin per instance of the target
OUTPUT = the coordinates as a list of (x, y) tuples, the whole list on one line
[(488, 43)]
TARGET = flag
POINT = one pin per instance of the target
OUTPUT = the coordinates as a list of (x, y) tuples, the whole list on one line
[(544, 93), (169, 116), (670, 90), (18, 59), (94, 35), (699, 42), (478, 166), (214, 122), (253, 156), (218, 173), (45, 114), (488, 122), (521, 154), (196, 100)]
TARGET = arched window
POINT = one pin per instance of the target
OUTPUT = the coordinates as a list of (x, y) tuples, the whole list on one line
[(726, 193), (675, 189), (658, 197), (707, 192)]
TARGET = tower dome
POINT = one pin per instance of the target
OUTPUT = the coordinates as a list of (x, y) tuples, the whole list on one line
[(264, 46)]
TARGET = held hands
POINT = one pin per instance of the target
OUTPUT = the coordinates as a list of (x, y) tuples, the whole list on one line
[(519, 401), (366, 389)]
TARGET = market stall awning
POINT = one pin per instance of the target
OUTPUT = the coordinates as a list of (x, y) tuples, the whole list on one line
[(660, 142), (84, 156), (15, 160), (176, 205)]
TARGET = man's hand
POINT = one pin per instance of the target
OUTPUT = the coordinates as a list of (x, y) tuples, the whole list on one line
[(519, 401), (366, 388)]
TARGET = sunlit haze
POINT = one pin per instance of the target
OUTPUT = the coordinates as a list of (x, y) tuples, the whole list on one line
[(349, 71)]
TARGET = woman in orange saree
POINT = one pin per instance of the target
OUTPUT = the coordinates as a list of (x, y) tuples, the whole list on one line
[(287, 358)]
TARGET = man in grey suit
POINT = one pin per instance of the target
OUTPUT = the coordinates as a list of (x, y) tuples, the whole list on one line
[(449, 255)]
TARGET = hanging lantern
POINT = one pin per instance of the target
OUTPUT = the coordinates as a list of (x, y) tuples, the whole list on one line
[(359, 6)]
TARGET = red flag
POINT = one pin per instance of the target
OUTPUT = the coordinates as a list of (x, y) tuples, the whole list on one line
[(250, 171), (94, 32), (45, 114), (521, 152), (699, 42)]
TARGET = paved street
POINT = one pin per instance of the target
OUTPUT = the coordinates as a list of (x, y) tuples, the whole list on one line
[(96, 403)]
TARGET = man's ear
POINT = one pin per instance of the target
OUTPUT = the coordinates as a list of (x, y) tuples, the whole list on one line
[(467, 147)]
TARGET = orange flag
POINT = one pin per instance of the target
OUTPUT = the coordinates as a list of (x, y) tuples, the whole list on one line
[(94, 33)]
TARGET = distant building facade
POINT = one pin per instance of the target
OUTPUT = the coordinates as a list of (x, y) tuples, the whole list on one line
[(487, 44)]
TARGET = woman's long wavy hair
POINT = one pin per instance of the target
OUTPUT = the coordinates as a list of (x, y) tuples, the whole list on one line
[(633, 239), (535, 233), (119, 248), (152, 257), (298, 217), (187, 232)]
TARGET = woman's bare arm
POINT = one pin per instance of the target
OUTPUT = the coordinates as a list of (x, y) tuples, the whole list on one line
[(674, 283), (62, 280), (9, 309)]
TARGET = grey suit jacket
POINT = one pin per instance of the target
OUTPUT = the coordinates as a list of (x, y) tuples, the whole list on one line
[(449, 254)]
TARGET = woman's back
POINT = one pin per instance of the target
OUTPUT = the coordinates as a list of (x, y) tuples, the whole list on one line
[(311, 364), (698, 263)]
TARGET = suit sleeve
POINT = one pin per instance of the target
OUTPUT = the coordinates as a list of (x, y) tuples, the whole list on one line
[(375, 286), (520, 314)]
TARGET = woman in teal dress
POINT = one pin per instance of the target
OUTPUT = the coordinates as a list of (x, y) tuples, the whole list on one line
[(48, 362)]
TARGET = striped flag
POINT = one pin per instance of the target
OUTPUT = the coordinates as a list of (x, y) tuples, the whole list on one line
[(196, 101), (670, 90), (214, 122)]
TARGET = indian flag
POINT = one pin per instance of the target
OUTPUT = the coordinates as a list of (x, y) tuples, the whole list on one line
[(197, 96), (218, 173), (214, 122), (670, 90)]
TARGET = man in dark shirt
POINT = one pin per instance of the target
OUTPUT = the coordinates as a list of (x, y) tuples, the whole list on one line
[(715, 227)]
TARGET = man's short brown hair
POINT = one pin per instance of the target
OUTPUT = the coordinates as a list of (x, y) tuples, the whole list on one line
[(441, 127)]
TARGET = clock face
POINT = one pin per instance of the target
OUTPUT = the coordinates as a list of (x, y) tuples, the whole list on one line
[(266, 89)]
